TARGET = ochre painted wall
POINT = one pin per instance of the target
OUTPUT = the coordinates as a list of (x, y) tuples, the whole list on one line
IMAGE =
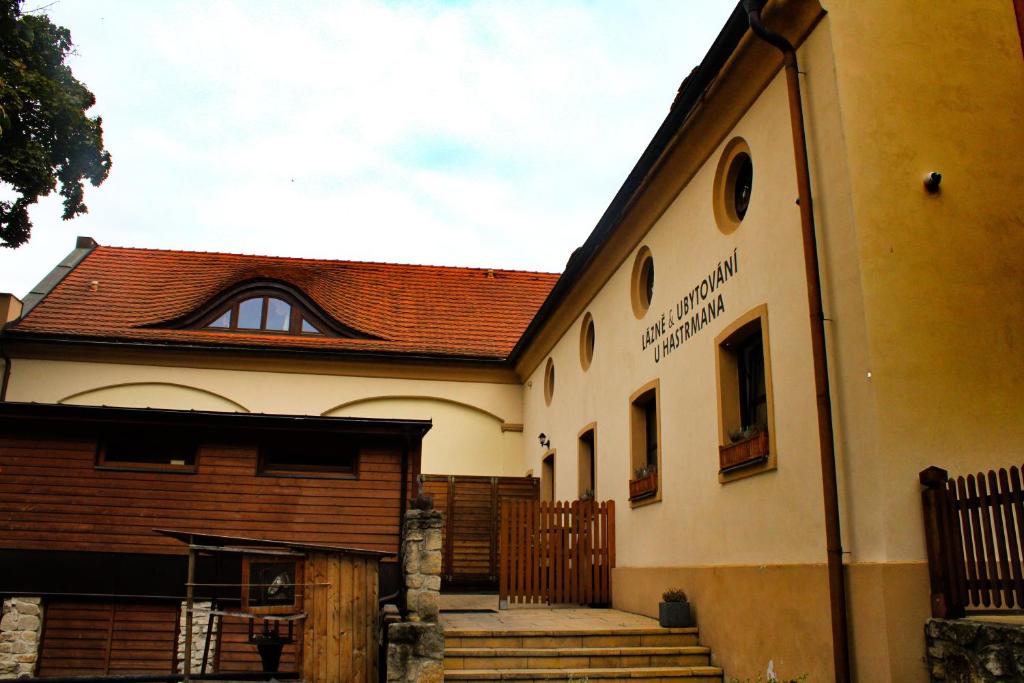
[(467, 436)]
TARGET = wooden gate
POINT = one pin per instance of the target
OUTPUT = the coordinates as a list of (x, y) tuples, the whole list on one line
[(472, 510), (974, 533), (557, 552)]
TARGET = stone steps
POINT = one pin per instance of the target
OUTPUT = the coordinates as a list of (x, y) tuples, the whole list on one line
[(673, 674), (563, 658), (628, 654), (626, 637)]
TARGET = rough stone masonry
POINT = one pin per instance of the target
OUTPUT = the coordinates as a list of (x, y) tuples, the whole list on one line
[(416, 645), (968, 651), (20, 626)]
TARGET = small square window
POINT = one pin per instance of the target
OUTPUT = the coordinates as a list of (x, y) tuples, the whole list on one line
[(745, 403)]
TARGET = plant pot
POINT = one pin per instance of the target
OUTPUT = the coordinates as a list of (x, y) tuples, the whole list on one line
[(644, 487), (675, 615), (750, 451)]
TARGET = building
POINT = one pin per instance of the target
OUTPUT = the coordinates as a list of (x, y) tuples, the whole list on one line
[(680, 365)]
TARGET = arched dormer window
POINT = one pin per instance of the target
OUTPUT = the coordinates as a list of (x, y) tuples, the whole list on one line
[(265, 306)]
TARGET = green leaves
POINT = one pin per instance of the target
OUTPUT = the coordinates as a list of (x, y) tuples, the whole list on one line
[(46, 138)]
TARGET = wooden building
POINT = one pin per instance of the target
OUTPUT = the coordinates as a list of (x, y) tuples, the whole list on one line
[(84, 488)]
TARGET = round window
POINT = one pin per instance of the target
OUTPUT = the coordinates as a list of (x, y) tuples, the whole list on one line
[(549, 381), (587, 339), (734, 185), (642, 283)]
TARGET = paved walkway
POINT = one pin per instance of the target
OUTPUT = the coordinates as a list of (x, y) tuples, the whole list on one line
[(481, 613)]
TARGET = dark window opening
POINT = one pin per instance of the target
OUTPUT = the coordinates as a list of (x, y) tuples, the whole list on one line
[(650, 409), (647, 281), (586, 464), (753, 394), (743, 185), (148, 451), (309, 458)]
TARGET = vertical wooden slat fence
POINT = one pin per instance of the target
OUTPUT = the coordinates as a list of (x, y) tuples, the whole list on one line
[(974, 531), (560, 552)]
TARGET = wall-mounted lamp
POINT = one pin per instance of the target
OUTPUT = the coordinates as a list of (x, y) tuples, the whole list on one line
[(545, 442), (932, 181)]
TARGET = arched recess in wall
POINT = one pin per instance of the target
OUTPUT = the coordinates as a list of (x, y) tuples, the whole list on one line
[(166, 395), (464, 439)]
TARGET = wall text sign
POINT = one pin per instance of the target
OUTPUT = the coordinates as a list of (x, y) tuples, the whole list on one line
[(692, 312)]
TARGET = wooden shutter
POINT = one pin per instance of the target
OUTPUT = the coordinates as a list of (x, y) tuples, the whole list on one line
[(102, 638)]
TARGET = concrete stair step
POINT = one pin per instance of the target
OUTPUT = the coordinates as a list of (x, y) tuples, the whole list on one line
[(670, 674), (626, 637), (575, 657)]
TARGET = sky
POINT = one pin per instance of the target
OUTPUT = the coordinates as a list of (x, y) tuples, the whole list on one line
[(463, 133)]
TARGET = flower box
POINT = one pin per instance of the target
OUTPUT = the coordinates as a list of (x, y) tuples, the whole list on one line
[(750, 451), (644, 487)]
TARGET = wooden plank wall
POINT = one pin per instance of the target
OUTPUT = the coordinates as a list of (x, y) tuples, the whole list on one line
[(236, 653), (52, 497), (472, 506), (557, 552), (339, 640), (107, 638)]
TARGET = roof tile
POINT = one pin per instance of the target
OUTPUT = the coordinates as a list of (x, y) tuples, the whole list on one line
[(412, 309)]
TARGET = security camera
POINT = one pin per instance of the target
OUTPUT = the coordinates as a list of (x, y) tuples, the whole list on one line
[(932, 181)]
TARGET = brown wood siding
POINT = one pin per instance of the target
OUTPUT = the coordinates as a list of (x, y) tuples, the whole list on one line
[(101, 638), (236, 653), (52, 497)]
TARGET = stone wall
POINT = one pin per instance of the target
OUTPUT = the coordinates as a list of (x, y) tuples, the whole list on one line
[(200, 618), (969, 651), (20, 627), (421, 553), (416, 645)]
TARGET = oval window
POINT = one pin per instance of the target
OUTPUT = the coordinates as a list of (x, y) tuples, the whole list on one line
[(588, 337), (734, 185), (549, 381), (642, 282)]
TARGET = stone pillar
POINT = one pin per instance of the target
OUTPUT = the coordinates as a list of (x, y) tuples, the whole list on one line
[(416, 646), (200, 618), (20, 627), (421, 553)]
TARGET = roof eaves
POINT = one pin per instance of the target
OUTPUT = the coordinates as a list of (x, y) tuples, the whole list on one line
[(83, 247), (685, 103)]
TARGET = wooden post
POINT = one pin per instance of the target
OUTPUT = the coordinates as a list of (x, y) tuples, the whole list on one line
[(189, 595), (938, 544)]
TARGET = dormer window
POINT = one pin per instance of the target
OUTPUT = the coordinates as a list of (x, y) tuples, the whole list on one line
[(263, 314), (265, 307)]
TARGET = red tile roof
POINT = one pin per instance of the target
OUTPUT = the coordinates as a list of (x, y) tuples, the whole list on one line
[(435, 310)]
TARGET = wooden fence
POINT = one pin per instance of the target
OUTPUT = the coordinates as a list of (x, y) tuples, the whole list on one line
[(557, 552), (974, 530)]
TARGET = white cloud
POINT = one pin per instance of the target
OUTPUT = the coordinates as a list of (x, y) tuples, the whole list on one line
[(472, 133)]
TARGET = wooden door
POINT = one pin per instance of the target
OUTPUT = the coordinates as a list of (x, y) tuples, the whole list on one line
[(472, 510)]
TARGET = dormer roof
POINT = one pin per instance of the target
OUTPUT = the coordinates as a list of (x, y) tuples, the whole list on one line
[(148, 296)]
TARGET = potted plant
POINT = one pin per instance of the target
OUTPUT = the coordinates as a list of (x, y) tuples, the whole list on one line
[(749, 446), (645, 482), (674, 610)]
